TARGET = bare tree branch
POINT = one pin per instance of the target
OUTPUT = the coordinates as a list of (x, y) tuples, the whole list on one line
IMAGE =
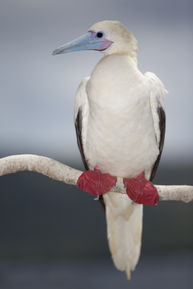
[(68, 175)]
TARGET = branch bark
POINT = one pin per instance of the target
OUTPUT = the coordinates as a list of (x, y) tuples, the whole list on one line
[(63, 173)]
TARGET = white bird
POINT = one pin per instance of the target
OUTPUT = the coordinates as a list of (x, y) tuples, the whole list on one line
[(120, 125)]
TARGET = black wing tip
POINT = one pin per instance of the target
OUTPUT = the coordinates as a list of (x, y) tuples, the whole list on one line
[(162, 126)]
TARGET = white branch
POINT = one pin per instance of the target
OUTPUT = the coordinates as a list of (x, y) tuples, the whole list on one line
[(68, 175)]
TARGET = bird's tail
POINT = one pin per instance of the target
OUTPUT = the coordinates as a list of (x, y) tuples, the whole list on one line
[(124, 230)]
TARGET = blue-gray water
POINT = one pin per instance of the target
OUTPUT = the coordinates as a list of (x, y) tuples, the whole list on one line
[(166, 271), (53, 235)]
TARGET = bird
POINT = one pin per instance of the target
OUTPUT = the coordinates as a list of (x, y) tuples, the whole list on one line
[(120, 121)]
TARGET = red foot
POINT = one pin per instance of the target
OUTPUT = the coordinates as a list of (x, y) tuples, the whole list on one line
[(96, 183), (141, 191)]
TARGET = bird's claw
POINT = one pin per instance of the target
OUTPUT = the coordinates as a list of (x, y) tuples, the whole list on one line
[(141, 191), (96, 183)]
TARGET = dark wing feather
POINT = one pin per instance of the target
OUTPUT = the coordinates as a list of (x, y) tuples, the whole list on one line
[(78, 127), (162, 127)]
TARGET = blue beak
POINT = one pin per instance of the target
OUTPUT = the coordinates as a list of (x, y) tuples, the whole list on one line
[(84, 42)]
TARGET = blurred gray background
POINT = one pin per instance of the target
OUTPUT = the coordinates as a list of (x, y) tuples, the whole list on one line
[(54, 235)]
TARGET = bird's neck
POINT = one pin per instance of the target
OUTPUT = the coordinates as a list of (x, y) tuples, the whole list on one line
[(130, 60), (116, 63), (112, 73)]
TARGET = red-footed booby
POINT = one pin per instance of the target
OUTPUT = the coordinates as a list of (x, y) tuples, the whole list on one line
[(120, 125)]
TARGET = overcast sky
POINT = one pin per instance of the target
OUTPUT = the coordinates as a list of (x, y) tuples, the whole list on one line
[(37, 90)]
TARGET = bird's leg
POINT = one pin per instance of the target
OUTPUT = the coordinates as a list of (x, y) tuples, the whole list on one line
[(141, 191), (96, 183)]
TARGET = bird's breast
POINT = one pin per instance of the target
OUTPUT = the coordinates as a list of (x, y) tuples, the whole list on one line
[(120, 137)]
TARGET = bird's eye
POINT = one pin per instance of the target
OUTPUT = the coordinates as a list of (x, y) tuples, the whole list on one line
[(99, 34)]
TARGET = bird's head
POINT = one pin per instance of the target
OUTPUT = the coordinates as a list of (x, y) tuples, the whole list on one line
[(109, 37)]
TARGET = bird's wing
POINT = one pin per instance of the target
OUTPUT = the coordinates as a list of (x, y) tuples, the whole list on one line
[(157, 99), (80, 118)]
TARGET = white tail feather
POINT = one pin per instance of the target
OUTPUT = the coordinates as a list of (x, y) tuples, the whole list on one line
[(124, 229)]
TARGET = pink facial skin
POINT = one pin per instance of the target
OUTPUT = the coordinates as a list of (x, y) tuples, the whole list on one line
[(105, 43)]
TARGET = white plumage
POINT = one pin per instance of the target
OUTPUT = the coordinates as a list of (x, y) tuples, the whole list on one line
[(120, 131)]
